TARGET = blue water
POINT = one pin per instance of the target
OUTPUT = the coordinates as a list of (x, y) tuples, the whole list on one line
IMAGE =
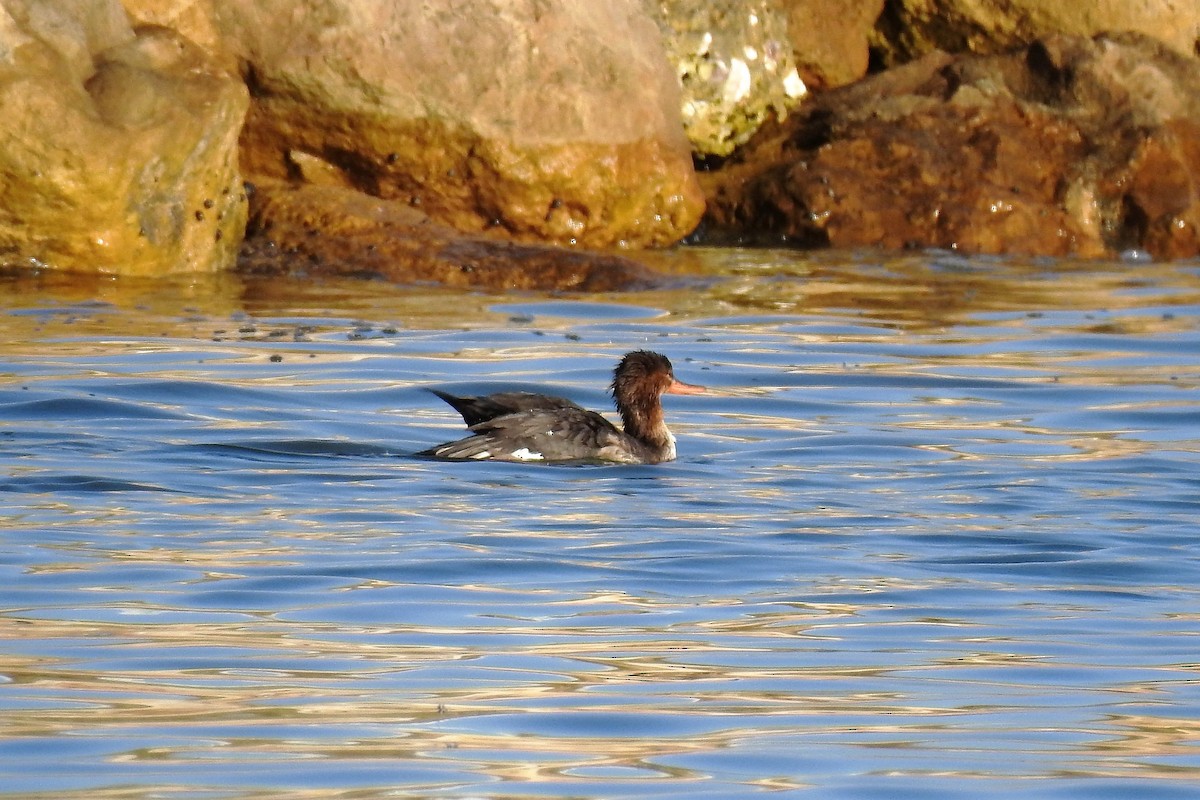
[(910, 548)]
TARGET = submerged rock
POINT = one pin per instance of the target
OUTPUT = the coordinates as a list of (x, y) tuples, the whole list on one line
[(1069, 146), (334, 230), (119, 147)]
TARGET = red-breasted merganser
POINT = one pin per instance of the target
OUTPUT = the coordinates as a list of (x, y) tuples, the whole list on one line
[(521, 426)]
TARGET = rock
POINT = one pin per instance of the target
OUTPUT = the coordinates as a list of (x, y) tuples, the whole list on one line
[(734, 61), (911, 28), (831, 39), (195, 20), (335, 230), (550, 122), (119, 146), (1068, 147), (65, 35)]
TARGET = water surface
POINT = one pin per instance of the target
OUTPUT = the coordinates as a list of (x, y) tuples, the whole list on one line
[(932, 533)]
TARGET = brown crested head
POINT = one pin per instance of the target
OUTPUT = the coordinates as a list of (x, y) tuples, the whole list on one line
[(641, 376)]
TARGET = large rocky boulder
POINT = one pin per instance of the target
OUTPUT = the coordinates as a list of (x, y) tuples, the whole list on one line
[(118, 147), (549, 122), (1070, 146)]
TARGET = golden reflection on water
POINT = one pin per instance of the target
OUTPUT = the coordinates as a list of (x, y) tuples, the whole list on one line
[(923, 290), (918, 291), (803, 697)]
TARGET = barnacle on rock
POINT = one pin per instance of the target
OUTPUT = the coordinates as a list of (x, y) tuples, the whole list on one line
[(735, 67)]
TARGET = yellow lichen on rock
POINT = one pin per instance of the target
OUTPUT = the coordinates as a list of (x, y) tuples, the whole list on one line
[(124, 162)]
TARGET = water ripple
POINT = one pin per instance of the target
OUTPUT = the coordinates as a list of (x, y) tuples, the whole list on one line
[(925, 550)]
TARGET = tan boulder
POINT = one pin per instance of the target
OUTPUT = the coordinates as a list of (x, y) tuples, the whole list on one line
[(118, 147), (552, 122)]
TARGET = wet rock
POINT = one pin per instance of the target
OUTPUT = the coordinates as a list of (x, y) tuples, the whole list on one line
[(317, 230), (551, 122), (120, 146), (911, 28), (1068, 147), (734, 61)]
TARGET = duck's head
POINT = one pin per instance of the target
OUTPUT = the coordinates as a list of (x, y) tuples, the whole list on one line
[(642, 377)]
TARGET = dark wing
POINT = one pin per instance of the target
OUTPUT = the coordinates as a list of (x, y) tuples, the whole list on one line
[(551, 434), (475, 410)]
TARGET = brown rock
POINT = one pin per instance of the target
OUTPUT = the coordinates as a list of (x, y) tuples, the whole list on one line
[(335, 230), (119, 160), (1071, 146), (911, 28), (1163, 202), (551, 122), (831, 39)]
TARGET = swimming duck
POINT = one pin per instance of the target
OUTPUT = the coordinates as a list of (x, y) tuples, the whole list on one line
[(522, 426)]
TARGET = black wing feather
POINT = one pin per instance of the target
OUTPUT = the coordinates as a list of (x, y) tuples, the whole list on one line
[(475, 410), (558, 433)]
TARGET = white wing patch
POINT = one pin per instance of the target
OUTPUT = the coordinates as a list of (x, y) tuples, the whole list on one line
[(484, 454), (525, 454), (670, 454)]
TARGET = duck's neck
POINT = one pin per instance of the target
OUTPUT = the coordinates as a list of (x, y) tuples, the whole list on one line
[(644, 421)]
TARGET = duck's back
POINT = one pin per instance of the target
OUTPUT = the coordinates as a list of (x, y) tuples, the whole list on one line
[(559, 433)]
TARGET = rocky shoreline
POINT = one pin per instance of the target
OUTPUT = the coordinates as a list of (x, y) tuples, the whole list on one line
[(503, 143)]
